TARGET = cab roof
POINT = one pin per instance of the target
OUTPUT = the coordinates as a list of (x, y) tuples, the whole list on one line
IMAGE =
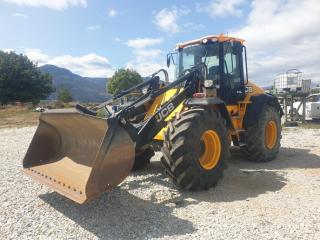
[(215, 38)]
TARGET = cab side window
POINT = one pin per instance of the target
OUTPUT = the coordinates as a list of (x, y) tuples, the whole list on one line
[(232, 66)]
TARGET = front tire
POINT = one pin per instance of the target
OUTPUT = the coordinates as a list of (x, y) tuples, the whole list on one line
[(263, 138), (195, 149)]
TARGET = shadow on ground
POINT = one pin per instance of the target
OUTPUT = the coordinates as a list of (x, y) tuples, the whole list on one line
[(288, 158), (237, 184), (121, 215), (242, 179)]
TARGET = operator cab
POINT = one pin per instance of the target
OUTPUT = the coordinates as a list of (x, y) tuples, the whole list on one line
[(224, 62)]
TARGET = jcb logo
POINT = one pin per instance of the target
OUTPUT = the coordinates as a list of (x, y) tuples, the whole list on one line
[(249, 89), (165, 112)]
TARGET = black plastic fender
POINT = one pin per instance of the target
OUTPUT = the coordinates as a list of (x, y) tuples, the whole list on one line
[(255, 108), (209, 102)]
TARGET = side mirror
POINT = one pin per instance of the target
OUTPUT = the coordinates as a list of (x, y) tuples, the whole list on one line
[(169, 56)]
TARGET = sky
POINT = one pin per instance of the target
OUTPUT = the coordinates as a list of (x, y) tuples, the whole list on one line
[(95, 38)]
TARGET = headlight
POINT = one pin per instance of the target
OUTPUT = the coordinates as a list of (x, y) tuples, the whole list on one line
[(208, 83)]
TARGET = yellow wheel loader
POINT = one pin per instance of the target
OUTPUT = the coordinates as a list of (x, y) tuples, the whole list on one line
[(195, 118)]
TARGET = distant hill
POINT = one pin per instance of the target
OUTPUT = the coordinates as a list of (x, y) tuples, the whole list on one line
[(83, 89), (267, 87)]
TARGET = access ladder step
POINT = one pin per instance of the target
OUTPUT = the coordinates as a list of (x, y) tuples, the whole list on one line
[(240, 130)]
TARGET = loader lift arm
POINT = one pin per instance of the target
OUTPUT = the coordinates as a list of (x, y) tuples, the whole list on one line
[(145, 132), (152, 83)]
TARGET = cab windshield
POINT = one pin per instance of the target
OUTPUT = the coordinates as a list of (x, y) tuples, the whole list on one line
[(202, 53)]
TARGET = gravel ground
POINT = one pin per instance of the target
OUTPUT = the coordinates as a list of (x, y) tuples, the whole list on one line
[(276, 200)]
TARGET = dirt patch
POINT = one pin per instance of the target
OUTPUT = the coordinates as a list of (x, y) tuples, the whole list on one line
[(17, 117)]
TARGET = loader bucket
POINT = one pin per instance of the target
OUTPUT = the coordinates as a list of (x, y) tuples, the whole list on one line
[(78, 155)]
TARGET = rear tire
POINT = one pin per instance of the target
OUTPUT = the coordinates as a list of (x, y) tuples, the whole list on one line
[(261, 146), (142, 159), (185, 149)]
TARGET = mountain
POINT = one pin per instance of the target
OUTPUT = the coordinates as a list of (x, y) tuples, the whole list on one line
[(267, 87), (83, 89)]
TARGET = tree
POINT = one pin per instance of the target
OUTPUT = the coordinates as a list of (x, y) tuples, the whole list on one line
[(122, 80), (21, 80), (64, 95)]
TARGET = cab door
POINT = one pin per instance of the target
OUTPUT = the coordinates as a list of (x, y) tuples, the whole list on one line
[(232, 84)]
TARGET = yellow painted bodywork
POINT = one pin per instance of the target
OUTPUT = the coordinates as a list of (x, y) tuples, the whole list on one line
[(256, 90), (160, 100), (236, 111)]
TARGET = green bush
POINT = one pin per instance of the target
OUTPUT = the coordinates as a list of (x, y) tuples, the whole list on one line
[(64, 95), (122, 80)]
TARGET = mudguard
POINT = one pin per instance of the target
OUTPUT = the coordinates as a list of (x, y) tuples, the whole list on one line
[(211, 101), (257, 104)]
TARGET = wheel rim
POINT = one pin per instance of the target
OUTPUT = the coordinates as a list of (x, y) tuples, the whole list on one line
[(212, 149), (271, 134)]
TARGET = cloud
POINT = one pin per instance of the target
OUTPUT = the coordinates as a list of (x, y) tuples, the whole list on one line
[(143, 42), (193, 26), (167, 19), (222, 8), (146, 60), (52, 4), (8, 50), (116, 39), (90, 65), (148, 53), (279, 38), (20, 15), (94, 28), (112, 12), (37, 56)]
